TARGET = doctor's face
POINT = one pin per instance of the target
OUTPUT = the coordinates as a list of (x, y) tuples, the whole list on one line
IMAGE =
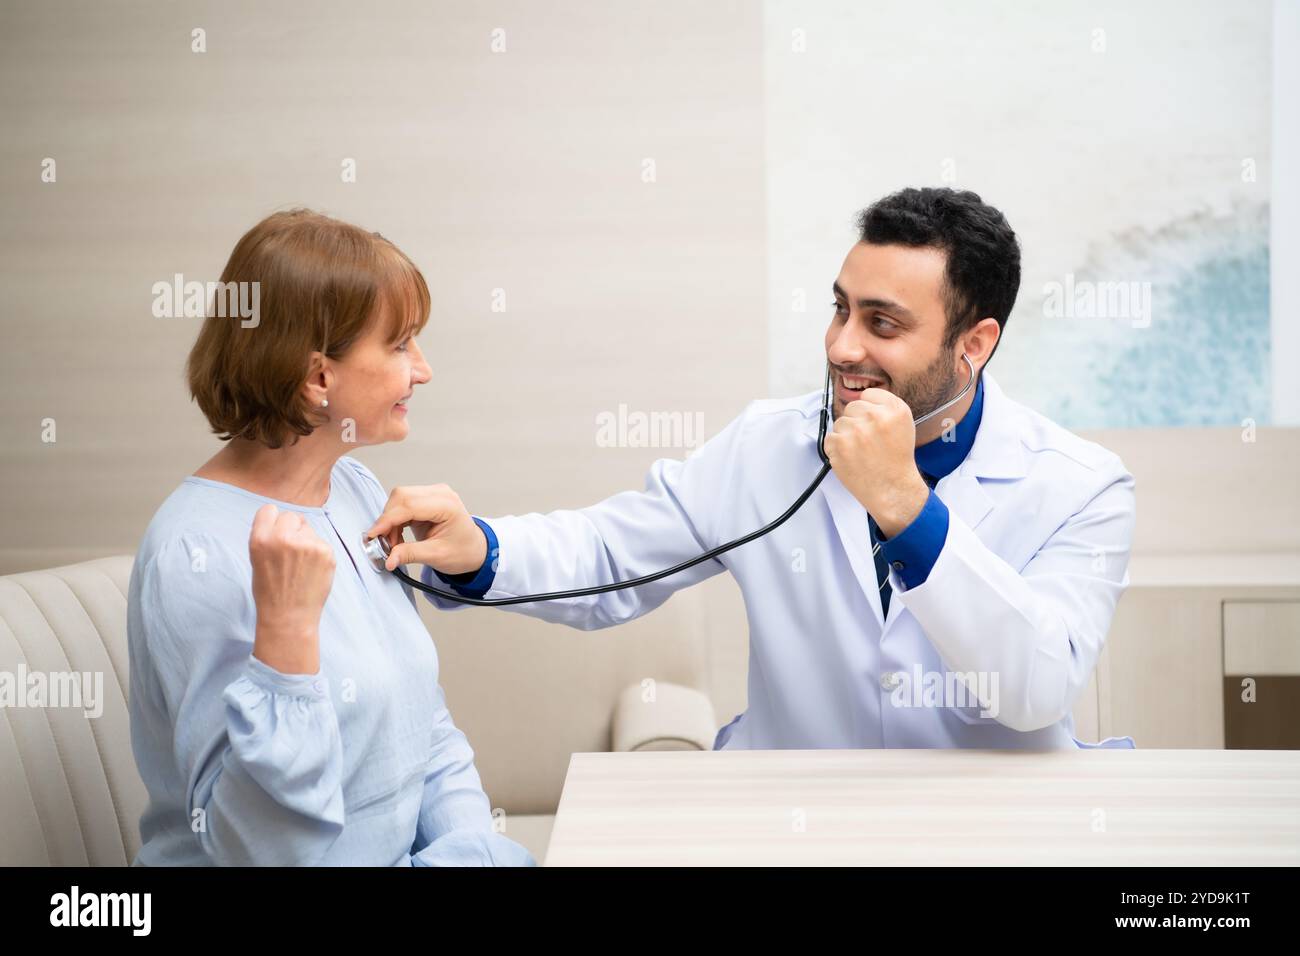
[(888, 327)]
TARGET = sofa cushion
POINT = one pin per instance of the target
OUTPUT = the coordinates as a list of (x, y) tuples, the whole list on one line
[(71, 794)]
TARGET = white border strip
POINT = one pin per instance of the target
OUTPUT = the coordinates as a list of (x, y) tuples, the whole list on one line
[(1284, 241)]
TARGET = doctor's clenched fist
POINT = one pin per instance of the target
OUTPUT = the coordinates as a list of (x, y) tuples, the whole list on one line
[(872, 450), (447, 538), (293, 571)]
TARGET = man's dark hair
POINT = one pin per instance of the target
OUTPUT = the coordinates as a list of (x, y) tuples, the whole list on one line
[(982, 276)]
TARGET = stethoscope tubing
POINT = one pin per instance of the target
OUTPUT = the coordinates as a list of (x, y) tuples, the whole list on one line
[(375, 546)]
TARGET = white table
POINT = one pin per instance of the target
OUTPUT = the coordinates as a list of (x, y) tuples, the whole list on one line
[(942, 807)]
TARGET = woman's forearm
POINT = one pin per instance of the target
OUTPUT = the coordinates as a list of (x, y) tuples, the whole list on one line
[(288, 649)]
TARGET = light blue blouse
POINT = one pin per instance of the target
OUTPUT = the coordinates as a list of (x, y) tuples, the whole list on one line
[(358, 764)]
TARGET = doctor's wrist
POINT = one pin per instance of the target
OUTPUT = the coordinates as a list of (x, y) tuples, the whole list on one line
[(902, 508), (469, 559)]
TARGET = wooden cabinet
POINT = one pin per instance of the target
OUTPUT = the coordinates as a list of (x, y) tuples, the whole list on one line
[(1261, 675)]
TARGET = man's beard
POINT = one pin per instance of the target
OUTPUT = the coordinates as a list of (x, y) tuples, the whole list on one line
[(925, 391)]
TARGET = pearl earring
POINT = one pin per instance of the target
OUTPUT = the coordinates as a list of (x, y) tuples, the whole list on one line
[(324, 403)]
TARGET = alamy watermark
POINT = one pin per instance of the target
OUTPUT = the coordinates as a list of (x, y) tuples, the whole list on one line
[(1098, 300), (180, 299), (946, 689), (75, 908), (630, 429), (40, 689)]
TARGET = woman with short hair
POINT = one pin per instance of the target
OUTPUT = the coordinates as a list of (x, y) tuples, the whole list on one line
[(285, 704)]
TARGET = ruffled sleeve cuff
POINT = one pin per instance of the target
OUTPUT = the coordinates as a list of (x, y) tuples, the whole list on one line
[(265, 676), (283, 733)]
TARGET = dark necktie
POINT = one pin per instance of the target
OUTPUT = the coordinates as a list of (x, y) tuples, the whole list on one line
[(878, 554)]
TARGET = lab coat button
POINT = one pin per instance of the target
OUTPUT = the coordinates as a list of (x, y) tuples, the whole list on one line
[(890, 680)]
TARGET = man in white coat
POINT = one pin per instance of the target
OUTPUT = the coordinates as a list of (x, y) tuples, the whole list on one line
[(947, 585)]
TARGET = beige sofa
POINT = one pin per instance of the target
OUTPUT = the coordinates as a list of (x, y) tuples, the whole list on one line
[(70, 793)]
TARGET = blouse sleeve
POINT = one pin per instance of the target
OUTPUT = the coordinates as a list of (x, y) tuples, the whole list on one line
[(260, 750)]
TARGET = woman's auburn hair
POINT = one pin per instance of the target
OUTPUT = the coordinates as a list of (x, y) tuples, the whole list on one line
[(321, 283)]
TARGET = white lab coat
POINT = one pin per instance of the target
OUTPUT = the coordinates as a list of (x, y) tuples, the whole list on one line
[(1020, 598)]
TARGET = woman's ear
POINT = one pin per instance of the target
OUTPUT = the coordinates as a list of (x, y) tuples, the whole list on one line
[(320, 379)]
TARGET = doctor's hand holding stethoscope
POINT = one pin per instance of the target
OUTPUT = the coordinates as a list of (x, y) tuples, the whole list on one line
[(446, 536), (872, 450)]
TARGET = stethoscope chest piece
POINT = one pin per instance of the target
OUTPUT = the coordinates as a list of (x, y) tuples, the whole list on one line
[(376, 551)]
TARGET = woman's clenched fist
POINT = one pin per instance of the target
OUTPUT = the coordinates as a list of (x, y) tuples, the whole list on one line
[(293, 570)]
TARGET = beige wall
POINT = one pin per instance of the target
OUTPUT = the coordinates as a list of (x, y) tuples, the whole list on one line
[(1211, 490)]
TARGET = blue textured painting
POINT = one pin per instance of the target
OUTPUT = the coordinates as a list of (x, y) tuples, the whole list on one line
[(1199, 355)]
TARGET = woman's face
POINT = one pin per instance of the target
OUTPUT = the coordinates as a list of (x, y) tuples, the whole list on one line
[(371, 383)]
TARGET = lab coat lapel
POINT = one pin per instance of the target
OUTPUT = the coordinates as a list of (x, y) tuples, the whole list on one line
[(997, 453), (850, 520), (964, 497), (855, 534)]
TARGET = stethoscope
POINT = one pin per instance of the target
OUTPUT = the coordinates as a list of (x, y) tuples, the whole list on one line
[(377, 549)]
